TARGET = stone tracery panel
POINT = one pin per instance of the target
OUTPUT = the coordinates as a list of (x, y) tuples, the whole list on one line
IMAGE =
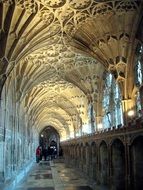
[(53, 3), (80, 4), (46, 16), (30, 6)]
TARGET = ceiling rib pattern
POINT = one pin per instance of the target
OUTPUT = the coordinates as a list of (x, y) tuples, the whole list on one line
[(59, 51)]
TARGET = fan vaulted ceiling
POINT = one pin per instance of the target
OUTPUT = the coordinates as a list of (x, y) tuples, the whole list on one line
[(59, 51)]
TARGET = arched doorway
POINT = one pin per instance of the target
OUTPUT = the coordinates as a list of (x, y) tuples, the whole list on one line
[(103, 163), (118, 165), (49, 138)]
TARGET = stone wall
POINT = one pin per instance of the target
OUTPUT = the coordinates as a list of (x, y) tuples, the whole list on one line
[(18, 136), (112, 158)]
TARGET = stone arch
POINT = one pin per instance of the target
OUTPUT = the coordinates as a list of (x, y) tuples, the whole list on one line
[(103, 163), (101, 142), (49, 138), (134, 137), (112, 141), (136, 155), (48, 134), (117, 165)]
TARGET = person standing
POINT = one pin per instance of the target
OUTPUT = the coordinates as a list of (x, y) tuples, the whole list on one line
[(45, 153), (38, 153)]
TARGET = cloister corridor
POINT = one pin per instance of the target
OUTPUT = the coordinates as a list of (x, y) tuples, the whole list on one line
[(71, 94)]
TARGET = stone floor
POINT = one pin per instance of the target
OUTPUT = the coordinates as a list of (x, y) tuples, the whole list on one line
[(49, 175)]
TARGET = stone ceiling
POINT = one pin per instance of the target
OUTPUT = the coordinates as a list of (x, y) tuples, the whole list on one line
[(59, 51)]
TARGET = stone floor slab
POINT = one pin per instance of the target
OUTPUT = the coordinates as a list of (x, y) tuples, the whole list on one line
[(78, 188), (41, 188), (53, 176)]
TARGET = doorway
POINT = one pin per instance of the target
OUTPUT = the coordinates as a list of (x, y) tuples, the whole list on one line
[(49, 138)]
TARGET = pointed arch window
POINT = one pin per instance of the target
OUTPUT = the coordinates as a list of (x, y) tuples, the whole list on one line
[(139, 77), (112, 107), (139, 66)]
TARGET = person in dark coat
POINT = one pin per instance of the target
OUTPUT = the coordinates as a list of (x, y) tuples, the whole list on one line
[(45, 153)]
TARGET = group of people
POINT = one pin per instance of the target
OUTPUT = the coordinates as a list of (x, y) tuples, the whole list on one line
[(45, 153)]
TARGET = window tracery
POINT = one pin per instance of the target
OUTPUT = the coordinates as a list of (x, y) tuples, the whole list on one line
[(112, 108), (139, 77), (138, 66)]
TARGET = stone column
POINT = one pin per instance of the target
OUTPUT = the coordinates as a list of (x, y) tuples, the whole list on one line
[(93, 123), (98, 165), (86, 158), (2, 134), (127, 164), (110, 164), (99, 125), (127, 105), (1, 146)]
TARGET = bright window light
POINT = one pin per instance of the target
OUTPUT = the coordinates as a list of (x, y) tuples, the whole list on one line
[(99, 126), (131, 113)]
